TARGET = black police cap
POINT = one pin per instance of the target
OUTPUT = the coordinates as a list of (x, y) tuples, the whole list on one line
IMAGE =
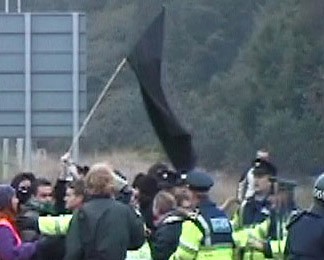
[(199, 181), (181, 178), (263, 167), (167, 179)]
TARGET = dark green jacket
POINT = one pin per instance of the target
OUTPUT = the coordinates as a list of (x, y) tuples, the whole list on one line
[(103, 229), (34, 209)]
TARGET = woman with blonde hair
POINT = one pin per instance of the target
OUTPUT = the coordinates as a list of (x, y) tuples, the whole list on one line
[(103, 228), (11, 246)]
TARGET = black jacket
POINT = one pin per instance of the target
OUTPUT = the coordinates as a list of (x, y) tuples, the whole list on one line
[(50, 247), (305, 239), (166, 238), (103, 229)]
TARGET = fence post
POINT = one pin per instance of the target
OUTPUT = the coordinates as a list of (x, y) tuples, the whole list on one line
[(5, 159)]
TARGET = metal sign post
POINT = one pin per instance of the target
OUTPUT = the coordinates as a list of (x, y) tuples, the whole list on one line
[(18, 6), (28, 108), (75, 83), (43, 77), (5, 159), (20, 152), (7, 6)]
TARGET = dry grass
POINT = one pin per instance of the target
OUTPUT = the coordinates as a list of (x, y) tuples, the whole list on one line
[(131, 162), (128, 162)]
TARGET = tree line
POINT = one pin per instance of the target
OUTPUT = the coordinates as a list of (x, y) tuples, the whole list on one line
[(241, 75)]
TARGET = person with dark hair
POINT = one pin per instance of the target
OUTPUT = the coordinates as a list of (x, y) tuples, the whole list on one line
[(136, 192), (245, 188), (58, 225), (11, 246), (22, 183), (59, 192), (255, 222), (103, 228), (157, 170), (62, 183), (148, 188), (42, 190), (159, 177), (164, 176), (55, 228), (41, 203), (75, 195), (137, 180)]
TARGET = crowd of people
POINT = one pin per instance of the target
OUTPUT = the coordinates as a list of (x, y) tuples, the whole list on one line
[(94, 213)]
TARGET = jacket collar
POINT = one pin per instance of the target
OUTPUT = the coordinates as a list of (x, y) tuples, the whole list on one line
[(317, 209), (205, 203), (98, 196)]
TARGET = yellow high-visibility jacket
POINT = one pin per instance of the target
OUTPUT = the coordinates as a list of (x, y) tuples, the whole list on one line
[(190, 245)]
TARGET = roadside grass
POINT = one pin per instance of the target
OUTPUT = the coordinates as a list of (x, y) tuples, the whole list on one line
[(132, 162)]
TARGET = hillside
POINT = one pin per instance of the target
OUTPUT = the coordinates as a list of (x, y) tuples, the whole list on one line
[(241, 75)]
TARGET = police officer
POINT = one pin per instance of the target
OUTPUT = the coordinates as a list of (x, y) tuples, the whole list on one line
[(246, 183), (208, 233), (254, 222), (306, 229)]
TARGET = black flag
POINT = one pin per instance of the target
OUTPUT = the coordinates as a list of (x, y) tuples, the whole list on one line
[(145, 59)]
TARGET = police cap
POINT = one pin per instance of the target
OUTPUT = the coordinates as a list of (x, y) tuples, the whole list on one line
[(199, 181), (263, 167)]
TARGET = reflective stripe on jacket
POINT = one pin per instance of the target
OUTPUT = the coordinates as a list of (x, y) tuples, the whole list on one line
[(190, 245), (143, 253), (241, 238)]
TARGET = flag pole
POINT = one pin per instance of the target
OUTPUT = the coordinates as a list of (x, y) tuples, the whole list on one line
[(97, 103)]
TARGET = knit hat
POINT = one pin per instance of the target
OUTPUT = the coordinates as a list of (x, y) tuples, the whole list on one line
[(6, 194)]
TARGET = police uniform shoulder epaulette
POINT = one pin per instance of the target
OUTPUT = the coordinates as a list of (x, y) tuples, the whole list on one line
[(193, 215), (172, 219), (295, 216)]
